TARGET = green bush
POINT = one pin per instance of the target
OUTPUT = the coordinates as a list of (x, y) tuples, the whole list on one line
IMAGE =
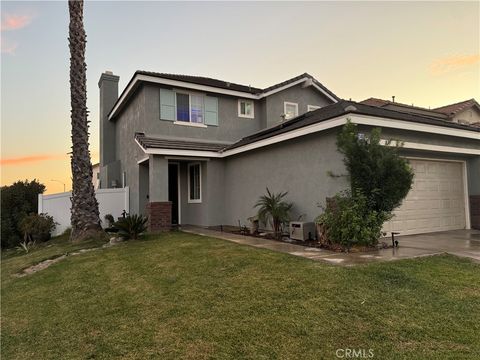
[(37, 227), (274, 210), (132, 226), (17, 201), (349, 220), (376, 170), (379, 181)]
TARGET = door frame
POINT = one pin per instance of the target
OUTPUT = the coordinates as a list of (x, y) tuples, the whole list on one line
[(179, 200), (466, 198)]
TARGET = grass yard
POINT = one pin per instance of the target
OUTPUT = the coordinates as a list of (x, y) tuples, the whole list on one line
[(180, 296)]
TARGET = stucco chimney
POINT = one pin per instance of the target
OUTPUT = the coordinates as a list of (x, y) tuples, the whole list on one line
[(108, 85)]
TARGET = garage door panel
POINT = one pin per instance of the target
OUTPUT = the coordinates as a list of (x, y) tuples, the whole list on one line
[(435, 202)]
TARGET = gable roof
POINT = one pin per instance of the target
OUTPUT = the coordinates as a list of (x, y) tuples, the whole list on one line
[(407, 108), (213, 85), (344, 107), (453, 109), (201, 80)]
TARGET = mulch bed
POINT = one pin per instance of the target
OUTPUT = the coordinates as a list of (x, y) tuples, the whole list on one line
[(306, 243)]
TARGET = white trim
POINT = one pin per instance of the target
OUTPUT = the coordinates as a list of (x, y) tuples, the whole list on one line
[(185, 123), (127, 199), (437, 148), (143, 159), (205, 88), (313, 107), (190, 200), (253, 108), (466, 199), (285, 104), (411, 126), (321, 126), (186, 158)]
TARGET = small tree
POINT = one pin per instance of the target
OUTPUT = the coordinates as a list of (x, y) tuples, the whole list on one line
[(379, 179), (17, 200), (376, 170), (274, 210)]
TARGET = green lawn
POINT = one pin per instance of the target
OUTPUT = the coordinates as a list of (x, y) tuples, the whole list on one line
[(183, 296)]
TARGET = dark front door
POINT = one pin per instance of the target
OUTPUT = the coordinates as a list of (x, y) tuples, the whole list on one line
[(173, 191)]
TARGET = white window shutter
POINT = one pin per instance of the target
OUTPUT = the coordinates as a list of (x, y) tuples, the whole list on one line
[(167, 105), (211, 111)]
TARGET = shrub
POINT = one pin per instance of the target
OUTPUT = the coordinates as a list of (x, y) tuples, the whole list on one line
[(131, 226), (349, 220), (274, 210), (17, 201), (109, 220), (37, 227), (374, 169)]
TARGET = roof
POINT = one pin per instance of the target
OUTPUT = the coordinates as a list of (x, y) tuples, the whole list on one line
[(341, 108), (200, 80), (252, 92), (149, 142), (407, 108), (456, 108)]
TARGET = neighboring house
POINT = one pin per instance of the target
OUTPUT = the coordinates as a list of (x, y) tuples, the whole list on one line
[(201, 151), (465, 112), (96, 175)]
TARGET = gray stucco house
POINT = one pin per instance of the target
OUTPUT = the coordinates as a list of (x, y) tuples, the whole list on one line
[(196, 150)]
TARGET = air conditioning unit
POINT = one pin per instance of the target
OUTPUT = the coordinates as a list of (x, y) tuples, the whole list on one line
[(302, 230)]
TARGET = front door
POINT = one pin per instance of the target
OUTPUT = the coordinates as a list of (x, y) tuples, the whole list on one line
[(173, 170)]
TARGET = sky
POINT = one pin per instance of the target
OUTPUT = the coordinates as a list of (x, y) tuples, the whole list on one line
[(424, 53)]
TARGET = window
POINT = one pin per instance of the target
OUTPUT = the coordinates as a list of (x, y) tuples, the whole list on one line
[(245, 109), (312, 107), (189, 108), (290, 110), (194, 183)]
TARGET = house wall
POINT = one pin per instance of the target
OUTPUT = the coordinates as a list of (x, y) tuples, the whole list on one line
[(127, 152), (302, 96), (299, 166), (230, 127), (469, 116)]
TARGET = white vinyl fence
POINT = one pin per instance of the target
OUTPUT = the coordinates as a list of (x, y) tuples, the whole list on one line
[(110, 201)]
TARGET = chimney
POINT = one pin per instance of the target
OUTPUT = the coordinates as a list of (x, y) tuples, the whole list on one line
[(393, 98), (108, 85)]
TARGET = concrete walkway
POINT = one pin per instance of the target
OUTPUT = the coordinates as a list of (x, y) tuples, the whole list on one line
[(464, 243)]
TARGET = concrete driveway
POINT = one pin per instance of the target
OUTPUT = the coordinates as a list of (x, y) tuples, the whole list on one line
[(464, 243)]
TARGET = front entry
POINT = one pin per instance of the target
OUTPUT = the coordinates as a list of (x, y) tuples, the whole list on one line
[(173, 175)]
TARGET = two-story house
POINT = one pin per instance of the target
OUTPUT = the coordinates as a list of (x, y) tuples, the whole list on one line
[(196, 150)]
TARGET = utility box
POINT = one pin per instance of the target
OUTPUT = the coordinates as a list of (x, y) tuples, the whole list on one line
[(303, 231)]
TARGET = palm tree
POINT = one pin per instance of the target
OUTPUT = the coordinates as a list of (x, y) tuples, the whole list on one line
[(85, 216), (274, 210)]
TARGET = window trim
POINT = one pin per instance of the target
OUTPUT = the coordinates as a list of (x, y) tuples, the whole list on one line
[(190, 200), (285, 104), (189, 122), (313, 107), (253, 109)]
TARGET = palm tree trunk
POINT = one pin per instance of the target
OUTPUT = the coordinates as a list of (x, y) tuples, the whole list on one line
[(85, 216)]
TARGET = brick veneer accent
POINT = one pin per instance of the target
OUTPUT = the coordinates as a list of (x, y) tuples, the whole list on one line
[(475, 211), (159, 216)]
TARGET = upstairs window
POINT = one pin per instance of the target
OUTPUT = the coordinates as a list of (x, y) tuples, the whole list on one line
[(245, 109), (189, 108), (290, 110)]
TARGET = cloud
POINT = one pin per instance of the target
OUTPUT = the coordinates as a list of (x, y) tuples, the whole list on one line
[(453, 63), (15, 22), (8, 47), (30, 159)]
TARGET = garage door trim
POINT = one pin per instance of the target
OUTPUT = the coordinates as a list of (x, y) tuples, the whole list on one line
[(465, 183)]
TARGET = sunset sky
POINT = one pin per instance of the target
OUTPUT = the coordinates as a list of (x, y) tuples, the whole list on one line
[(423, 53)]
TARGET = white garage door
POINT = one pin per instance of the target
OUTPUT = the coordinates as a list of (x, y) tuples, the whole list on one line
[(436, 201)]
